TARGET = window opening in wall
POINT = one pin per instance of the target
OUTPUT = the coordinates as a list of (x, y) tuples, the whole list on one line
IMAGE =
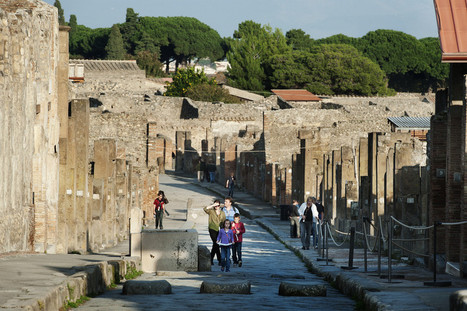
[(69, 110), (33, 198), (91, 167), (55, 148)]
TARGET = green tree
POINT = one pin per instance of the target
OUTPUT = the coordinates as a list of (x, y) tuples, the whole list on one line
[(182, 38), (61, 16), (185, 79), (399, 55), (89, 43), (149, 62), (437, 72), (131, 31), (298, 39), (249, 54), (344, 70), (73, 29), (114, 47), (338, 39), (329, 69)]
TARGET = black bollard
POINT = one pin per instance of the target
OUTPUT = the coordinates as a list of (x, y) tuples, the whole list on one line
[(435, 282), (351, 250)]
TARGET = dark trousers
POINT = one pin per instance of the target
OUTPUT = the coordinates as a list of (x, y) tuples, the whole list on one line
[(231, 190), (159, 217), (306, 228), (215, 251), (237, 252)]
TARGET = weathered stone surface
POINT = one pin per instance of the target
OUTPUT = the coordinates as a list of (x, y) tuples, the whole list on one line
[(302, 289), (204, 258), (135, 287), (226, 287)]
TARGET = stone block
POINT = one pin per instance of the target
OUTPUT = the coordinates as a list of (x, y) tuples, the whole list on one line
[(204, 258), (135, 287), (169, 250), (135, 245), (302, 289), (226, 287)]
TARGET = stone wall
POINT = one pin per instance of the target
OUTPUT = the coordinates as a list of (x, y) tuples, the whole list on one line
[(29, 120)]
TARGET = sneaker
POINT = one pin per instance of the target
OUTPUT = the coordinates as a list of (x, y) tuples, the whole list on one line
[(235, 265), (228, 270), (222, 269), (240, 263), (303, 247)]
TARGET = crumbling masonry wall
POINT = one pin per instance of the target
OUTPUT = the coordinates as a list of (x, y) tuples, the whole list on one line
[(29, 124)]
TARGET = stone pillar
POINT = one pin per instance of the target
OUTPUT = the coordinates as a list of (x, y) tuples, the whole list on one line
[(180, 138), (364, 161), (349, 181), (437, 194), (454, 179), (373, 173), (336, 185)]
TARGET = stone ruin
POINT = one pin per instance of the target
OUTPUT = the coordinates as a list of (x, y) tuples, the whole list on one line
[(97, 143)]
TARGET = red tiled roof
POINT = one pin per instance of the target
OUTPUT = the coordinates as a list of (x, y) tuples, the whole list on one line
[(451, 16), (296, 95)]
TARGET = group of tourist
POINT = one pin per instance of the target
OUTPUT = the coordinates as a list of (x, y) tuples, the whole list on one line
[(304, 220), (226, 229), (206, 171), (226, 232)]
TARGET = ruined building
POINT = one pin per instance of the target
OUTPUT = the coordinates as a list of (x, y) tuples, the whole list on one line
[(61, 189), (93, 142), (448, 192)]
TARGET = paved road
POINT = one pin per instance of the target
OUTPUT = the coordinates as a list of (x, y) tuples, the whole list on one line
[(267, 263)]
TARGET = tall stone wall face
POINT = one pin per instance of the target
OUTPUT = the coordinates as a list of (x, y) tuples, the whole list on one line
[(29, 121)]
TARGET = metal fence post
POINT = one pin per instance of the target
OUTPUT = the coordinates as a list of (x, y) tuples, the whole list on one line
[(390, 251)]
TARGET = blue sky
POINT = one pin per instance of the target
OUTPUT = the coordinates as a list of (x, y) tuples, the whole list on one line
[(318, 18)]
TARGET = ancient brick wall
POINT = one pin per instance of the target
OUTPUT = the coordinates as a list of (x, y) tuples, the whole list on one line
[(29, 120)]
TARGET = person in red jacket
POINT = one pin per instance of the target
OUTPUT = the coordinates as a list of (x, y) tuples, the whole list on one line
[(159, 208), (238, 230)]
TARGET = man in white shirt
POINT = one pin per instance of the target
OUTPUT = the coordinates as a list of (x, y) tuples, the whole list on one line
[(308, 220)]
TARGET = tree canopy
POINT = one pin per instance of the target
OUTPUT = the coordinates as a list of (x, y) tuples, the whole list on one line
[(114, 47), (249, 54), (328, 69), (61, 16), (261, 57)]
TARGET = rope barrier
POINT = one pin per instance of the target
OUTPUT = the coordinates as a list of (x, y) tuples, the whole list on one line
[(412, 227), (410, 240), (453, 223), (332, 238), (371, 249), (410, 251), (381, 231)]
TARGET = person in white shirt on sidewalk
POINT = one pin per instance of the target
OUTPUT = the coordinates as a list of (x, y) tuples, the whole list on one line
[(308, 220)]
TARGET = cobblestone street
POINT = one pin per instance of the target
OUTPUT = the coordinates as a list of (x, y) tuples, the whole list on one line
[(267, 263)]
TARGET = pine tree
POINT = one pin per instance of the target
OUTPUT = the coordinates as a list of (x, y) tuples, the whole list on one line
[(61, 16), (114, 47)]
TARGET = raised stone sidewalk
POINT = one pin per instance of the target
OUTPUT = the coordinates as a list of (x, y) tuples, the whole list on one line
[(373, 290)]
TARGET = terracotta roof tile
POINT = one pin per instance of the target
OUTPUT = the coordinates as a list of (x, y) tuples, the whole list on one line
[(296, 95), (451, 16)]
